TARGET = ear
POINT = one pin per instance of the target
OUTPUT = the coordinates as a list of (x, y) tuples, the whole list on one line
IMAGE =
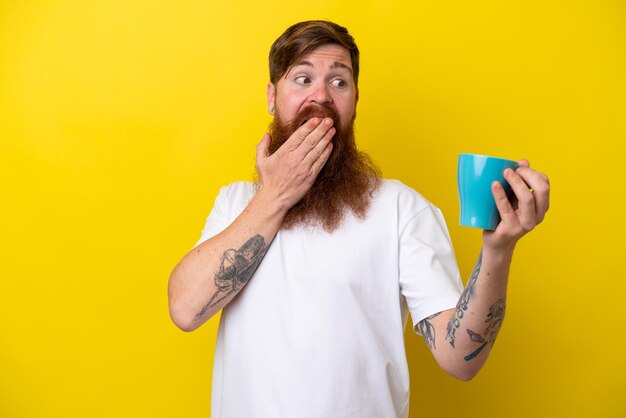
[(271, 98), (356, 97)]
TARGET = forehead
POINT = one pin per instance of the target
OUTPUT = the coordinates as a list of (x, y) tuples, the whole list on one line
[(327, 56)]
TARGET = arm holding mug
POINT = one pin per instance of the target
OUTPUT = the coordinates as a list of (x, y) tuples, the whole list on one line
[(461, 338)]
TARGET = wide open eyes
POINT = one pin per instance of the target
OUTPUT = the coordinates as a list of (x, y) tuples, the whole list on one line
[(303, 80), (340, 83)]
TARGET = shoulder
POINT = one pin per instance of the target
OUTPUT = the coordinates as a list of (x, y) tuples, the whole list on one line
[(234, 197), (408, 206), (406, 198), (238, 191)]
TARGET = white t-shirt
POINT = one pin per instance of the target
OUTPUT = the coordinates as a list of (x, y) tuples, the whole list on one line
[(318, 331)]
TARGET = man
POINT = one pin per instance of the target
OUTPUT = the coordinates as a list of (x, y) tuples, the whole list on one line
[(317, 265)]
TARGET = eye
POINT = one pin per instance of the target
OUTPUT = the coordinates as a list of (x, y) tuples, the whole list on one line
[(339, 83), (303, 79)]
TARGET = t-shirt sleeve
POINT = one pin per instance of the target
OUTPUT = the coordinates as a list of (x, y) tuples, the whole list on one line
[(229, 203), (429, 276), (218, 219)]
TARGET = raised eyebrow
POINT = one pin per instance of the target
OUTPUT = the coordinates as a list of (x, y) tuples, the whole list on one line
[(336, 64)]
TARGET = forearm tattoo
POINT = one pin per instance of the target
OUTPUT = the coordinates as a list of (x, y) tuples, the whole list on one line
[(461, 306), (236, 268), (426, 329), (494, 320)]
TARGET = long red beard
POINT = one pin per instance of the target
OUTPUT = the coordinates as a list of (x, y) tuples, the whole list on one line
[(346, 182)]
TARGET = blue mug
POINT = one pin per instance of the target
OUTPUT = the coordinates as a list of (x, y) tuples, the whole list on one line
[(476, 173)]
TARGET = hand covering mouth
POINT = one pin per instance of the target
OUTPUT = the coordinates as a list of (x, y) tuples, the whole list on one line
[(316, 111)]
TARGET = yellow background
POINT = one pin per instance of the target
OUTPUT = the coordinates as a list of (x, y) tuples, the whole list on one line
[(119, 120)]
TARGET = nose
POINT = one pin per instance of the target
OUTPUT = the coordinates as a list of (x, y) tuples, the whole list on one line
[(320, 94)]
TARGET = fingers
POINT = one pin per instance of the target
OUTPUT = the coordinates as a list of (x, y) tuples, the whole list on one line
[(525, 199), (290, 172), (309, 143), (305, 138), (319, 138), (540, 185), (263, 148), (507, 213), (321, 160), (314, 153), (532, 190)]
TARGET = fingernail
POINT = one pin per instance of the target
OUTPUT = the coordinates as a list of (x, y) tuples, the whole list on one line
[(328, 121)]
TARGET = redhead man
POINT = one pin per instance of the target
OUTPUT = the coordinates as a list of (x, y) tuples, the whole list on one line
[(317, 265)]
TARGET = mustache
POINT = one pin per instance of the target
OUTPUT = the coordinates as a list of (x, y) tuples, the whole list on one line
[(281, 130), (315, 111)]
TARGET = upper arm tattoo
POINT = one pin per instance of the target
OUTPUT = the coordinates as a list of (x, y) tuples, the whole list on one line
[(461, 306), (426, 329), (236, 268)]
